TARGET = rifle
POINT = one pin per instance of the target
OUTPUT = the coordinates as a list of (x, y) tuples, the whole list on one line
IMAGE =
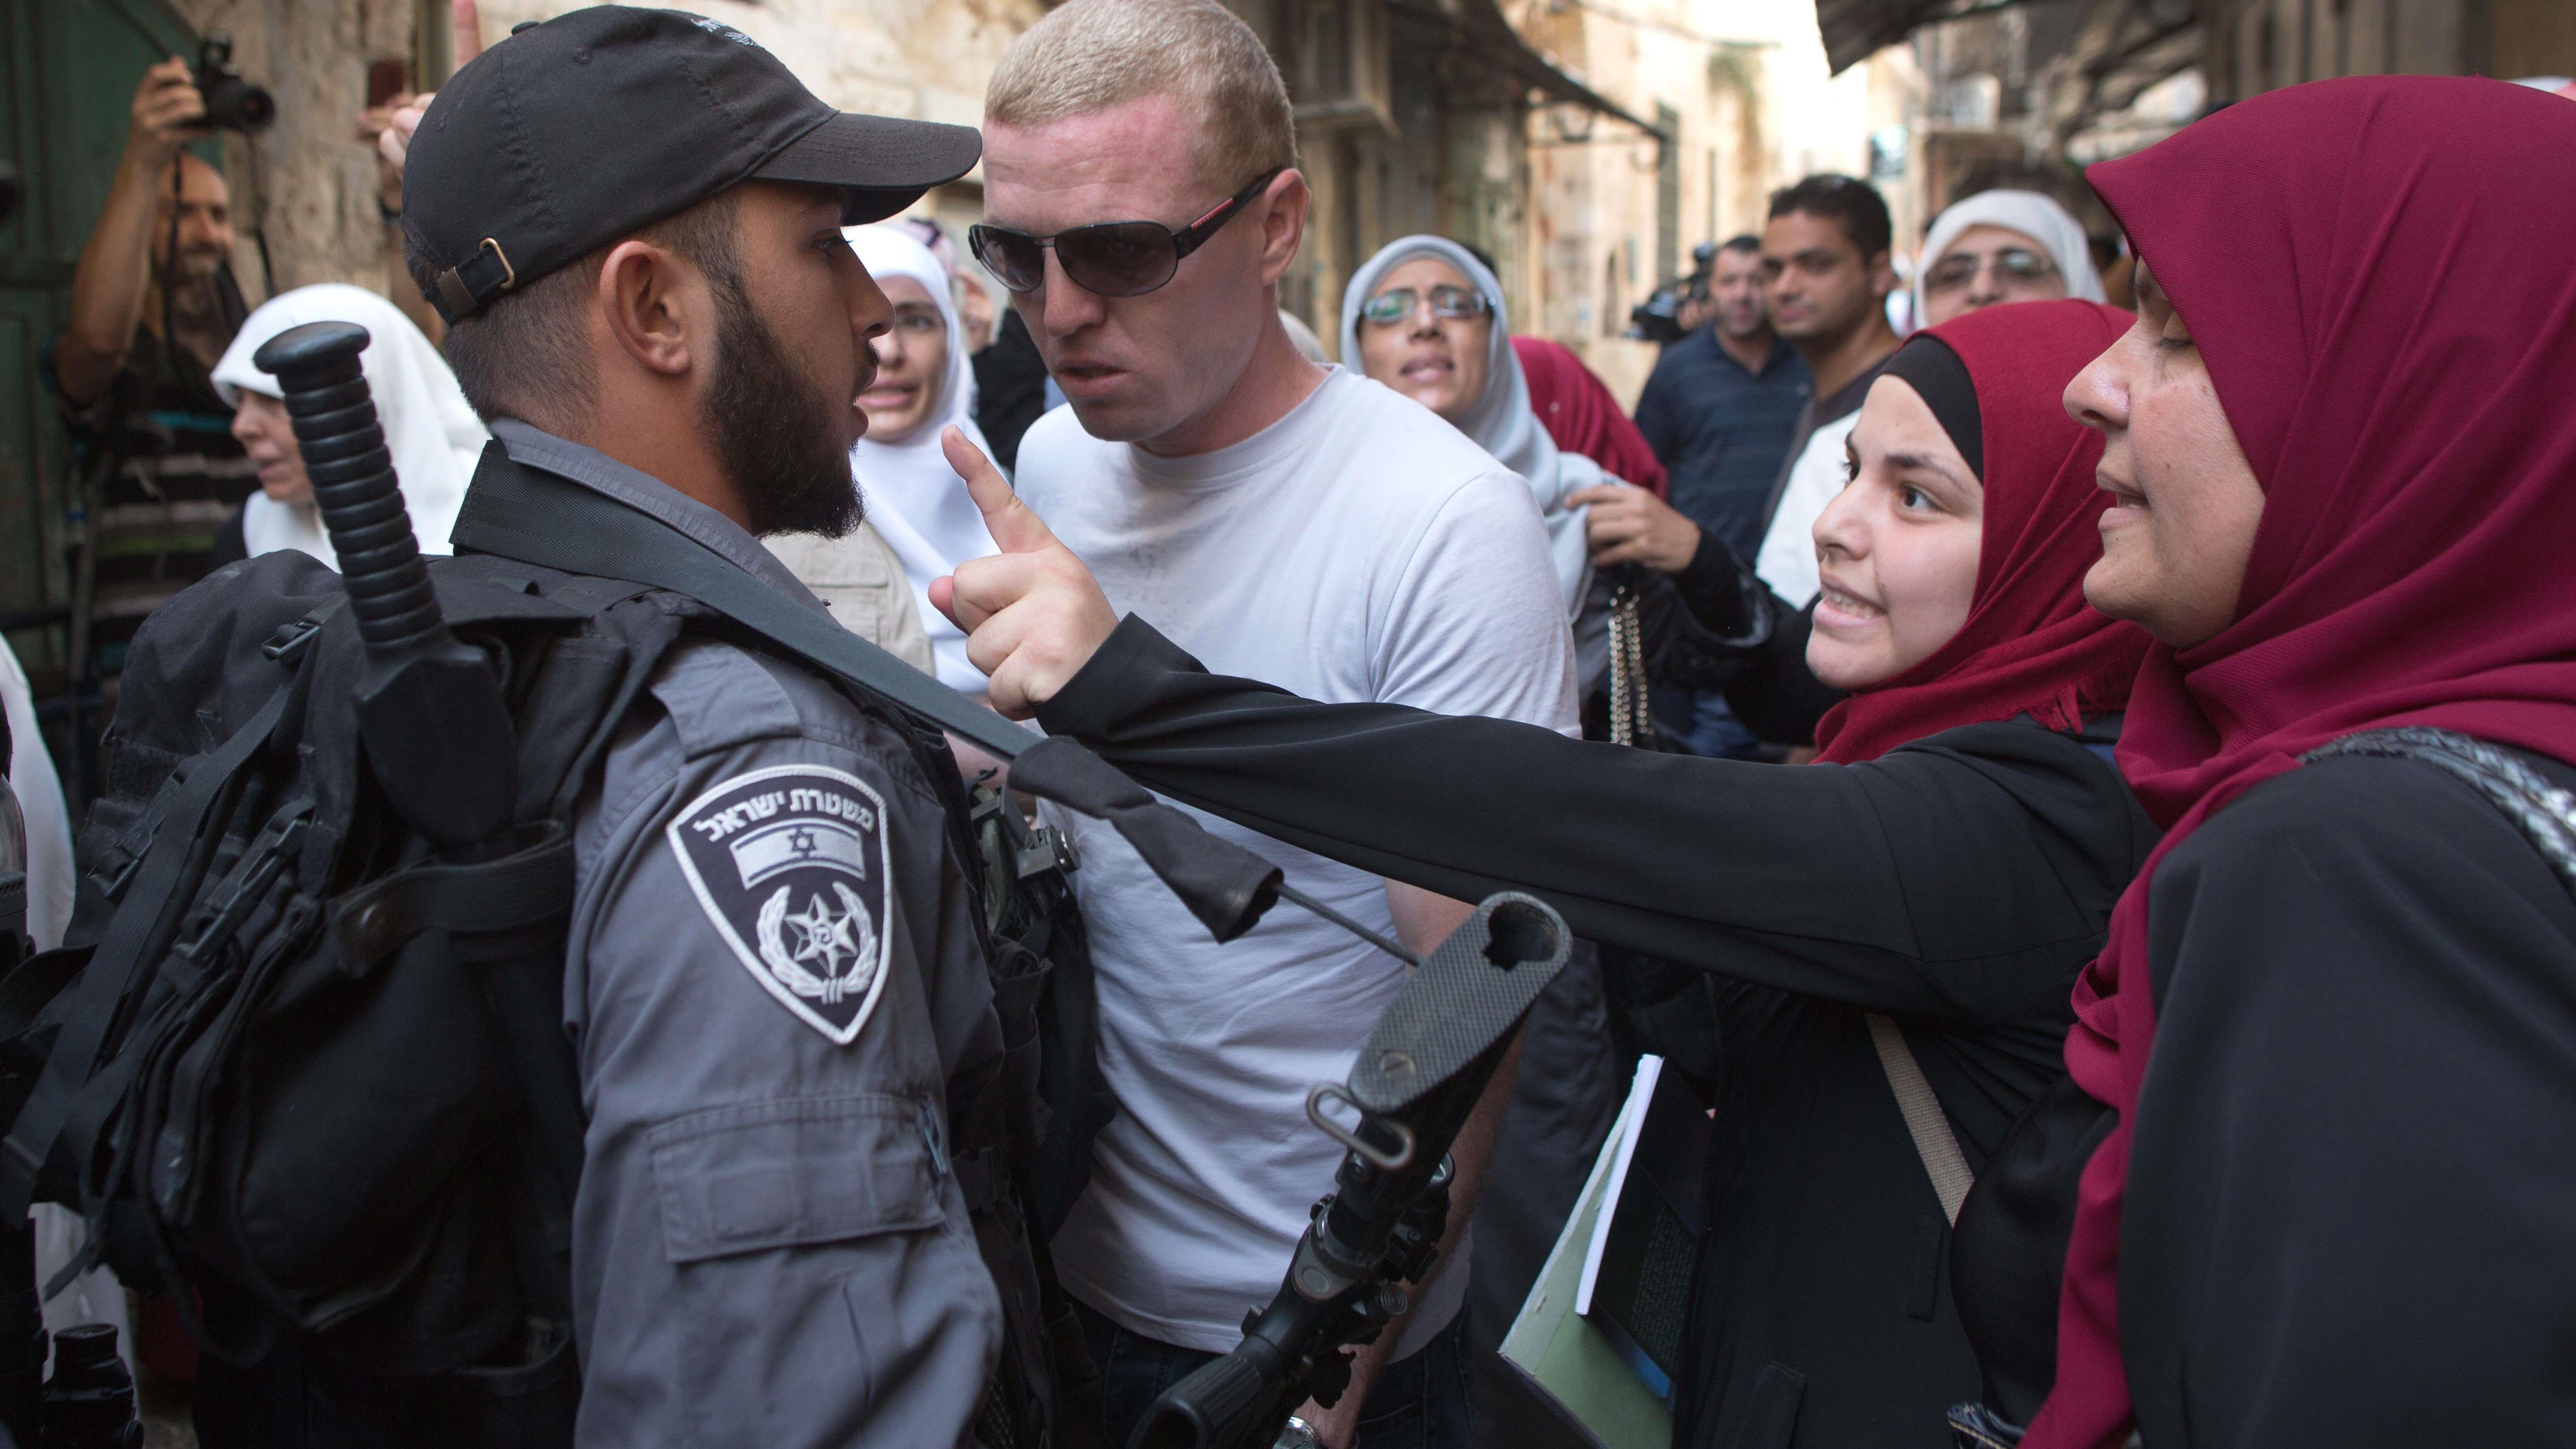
[(1414, 1084)]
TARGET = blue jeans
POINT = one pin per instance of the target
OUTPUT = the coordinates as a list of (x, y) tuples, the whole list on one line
[(1716, 732), (1425, 1401)]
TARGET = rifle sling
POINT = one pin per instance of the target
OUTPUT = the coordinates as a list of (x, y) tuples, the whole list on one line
[(535, 517)]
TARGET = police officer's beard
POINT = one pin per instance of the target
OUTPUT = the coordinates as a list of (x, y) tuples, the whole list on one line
[(773, 430)]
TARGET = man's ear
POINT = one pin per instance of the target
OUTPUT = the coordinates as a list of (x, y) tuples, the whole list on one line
[(1283, 223), (1882, 273), (649, 297)]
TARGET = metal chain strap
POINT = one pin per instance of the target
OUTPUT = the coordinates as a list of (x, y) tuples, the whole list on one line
[(1631, 715), (2544, 813)]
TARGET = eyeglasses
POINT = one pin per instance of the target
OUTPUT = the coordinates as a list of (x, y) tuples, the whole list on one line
[(2012, 264), (1399, 304), (1110, 258)]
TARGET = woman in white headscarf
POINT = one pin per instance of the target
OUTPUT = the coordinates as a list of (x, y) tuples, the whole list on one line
[(1427, 319), (2002, 246), (925, 384), (429, 428)]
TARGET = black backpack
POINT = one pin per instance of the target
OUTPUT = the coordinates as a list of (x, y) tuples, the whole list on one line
[(309, 1081)]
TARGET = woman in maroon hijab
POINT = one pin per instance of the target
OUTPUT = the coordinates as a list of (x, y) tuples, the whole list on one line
[(2321, 1181), (1923, 903)]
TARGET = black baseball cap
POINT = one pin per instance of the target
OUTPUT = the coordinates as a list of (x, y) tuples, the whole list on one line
[(578, 131)]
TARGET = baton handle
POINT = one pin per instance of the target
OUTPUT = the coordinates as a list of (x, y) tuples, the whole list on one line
[(353, 482), (438, 736)]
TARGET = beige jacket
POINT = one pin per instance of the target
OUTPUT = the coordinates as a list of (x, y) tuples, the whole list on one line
[(863, 582)]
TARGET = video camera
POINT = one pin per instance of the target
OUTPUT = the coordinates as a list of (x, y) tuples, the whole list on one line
[(232, 103), (1658, 318)]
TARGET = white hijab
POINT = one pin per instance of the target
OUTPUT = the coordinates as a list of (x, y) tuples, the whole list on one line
[(429, 428), (2034, 216), (914, 498), (1502, 421)]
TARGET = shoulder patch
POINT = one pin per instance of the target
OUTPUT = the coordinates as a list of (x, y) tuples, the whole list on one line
[(790, 864)]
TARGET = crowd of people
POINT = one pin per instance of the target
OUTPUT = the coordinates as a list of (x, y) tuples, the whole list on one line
[(2089, 806)]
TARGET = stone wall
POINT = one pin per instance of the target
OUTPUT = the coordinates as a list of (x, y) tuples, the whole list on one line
[(312, 188), (305, 183)]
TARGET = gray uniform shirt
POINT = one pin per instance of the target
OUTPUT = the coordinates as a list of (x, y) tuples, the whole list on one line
[(773, 974)]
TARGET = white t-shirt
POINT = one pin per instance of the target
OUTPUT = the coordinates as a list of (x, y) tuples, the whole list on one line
[(1787, 560), (1359, 549)]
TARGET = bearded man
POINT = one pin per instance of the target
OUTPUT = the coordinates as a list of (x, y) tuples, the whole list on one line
[(154, 305)]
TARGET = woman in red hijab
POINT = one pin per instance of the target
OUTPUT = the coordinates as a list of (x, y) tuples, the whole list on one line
[(1924, 905), (1576, 408), (2325, 1196)]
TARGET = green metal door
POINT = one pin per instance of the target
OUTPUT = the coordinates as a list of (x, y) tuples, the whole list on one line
[(69, 69)]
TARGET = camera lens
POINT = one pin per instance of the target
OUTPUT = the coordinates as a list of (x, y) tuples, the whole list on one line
[(237, 105)]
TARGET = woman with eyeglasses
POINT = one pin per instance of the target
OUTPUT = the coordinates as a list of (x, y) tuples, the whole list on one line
[(1426, 318), (2002, 246)]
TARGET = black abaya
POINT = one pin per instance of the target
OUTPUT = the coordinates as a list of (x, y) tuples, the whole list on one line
[(1958, 884), (2350, 1173)]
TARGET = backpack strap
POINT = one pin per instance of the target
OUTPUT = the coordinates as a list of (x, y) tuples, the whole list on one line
[(475, 904), (180, 850), (2543, 812)]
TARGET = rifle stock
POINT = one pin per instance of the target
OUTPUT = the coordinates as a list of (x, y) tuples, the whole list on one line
[(1415, 1083)]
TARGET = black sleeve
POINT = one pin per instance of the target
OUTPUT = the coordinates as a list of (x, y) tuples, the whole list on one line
[(2348, 1214), (1935, 883), (1781, 700), (1715, 626)]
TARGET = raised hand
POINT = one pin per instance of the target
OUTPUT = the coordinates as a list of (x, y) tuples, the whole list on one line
[(393, 139), (1032, 613), (168, 113), (1632, 525)]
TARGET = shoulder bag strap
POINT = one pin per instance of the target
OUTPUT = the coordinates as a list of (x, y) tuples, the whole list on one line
[(1925, 1122)]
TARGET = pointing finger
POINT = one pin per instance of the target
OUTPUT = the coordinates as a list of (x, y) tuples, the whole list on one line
[(467, 21), (1015, 527)]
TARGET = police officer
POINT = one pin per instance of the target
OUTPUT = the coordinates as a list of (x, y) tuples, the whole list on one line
[(631, 221)]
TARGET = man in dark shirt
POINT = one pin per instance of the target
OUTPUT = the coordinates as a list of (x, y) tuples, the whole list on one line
[(1720, 405), (153, 306), (1825, 265), (1718, 411)]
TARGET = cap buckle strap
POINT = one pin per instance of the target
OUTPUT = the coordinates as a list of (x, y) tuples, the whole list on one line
[(465, 287)]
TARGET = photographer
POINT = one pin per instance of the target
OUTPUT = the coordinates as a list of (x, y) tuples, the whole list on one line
[(154, 305)]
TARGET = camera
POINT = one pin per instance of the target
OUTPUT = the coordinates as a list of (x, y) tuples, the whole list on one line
[(1658, 318), (232, 104)]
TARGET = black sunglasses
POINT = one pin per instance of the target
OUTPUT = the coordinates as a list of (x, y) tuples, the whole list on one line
[(1110, 258)]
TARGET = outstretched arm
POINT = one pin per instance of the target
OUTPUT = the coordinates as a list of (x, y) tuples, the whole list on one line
[(2011, 841)]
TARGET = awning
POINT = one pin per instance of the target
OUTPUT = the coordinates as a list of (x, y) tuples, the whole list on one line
[(1855, 30), (1487, 39), (2120, 47)]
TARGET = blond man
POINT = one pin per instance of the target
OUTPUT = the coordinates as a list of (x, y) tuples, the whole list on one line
[(1284, 520)]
